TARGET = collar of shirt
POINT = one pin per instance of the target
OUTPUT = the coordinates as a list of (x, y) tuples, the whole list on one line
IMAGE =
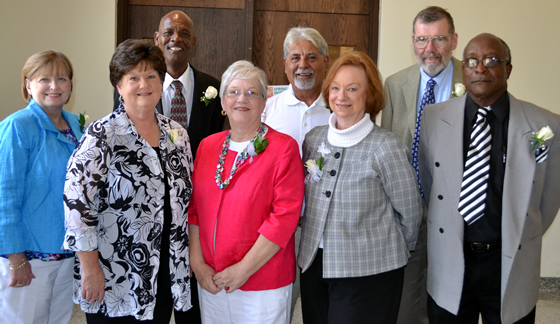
[(442, 89), (292, 100), (500, 108), (187, 79)]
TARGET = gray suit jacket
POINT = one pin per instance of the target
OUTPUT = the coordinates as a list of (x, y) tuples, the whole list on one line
[(366, 206), (531, 200), (401, 88)]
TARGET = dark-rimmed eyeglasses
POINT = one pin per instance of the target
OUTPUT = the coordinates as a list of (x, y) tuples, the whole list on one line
[(249, 94), (438, 41), (472, 62)]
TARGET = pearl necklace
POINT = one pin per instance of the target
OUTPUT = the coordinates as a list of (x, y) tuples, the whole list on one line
[(244, 155)]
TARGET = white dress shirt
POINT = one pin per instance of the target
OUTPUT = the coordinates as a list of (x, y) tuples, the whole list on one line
[(187, 79), (287, 114)]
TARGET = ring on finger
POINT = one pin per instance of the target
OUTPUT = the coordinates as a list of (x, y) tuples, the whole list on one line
[(18, 284)]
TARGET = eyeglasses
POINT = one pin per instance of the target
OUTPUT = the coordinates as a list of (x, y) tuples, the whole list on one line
[(249, 94), (472, 62), (438, 41)]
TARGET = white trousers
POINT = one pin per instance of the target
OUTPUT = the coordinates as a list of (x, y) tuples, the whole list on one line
[(246, 307), (48, 299)]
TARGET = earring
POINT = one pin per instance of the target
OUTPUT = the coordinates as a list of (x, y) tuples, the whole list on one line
[(120, 98), (224, 113)]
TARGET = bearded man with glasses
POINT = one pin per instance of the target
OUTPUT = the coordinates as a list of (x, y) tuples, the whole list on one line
[(430, 81)]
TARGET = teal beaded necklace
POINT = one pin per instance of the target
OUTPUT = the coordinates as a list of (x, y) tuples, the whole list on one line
[(244, 155)]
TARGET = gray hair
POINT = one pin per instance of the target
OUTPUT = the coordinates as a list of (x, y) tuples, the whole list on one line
[(244, 70), (433, 14), (296, 34)]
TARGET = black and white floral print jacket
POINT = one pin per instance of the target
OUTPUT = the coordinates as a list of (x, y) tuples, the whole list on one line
[(114, 203)]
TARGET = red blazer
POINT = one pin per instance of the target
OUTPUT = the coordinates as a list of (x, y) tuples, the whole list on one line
[(263, 197)]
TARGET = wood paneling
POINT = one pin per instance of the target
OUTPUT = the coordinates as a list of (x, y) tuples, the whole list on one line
[(271, 28), (220, 34), (215, 4), (360, 7), (230, 30)]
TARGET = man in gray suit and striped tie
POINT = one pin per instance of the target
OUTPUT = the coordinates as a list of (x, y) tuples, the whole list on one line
[(490, 172)]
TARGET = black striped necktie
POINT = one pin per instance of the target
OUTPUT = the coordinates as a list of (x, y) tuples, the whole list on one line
[(477, 170)]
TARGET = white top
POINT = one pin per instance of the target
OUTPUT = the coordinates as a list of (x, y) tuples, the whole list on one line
[(287, 114), (351, 135), (187, 79)]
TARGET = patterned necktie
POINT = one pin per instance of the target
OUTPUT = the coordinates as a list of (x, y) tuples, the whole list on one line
[(178, 105), (427, 99), (477, 170)]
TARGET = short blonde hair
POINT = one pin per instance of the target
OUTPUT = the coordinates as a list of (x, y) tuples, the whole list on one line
[(44, 61)]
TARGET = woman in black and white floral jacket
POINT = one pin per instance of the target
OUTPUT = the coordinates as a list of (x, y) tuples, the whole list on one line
[(126, 196)]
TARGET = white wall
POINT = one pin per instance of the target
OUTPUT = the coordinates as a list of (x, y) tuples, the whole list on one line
[(83, 30), (531, 29)]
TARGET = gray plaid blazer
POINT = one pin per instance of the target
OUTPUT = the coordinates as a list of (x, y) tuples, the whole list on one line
[(366, 206)]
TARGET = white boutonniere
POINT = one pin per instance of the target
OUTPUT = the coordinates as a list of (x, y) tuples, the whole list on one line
[(174, 134), (458, 90), (314, 172), (541, 136), (209, 95), (83, 120)]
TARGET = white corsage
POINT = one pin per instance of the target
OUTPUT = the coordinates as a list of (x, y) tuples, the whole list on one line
[(314, 172), (541, 136), (458, 90), (315, 169), (209, 95), (324, 150), (174, 134)]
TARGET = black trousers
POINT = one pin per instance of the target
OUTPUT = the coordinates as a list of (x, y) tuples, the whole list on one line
[(481, 292), (370, 299)]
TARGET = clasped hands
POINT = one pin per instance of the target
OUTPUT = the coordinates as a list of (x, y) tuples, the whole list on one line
[(230, 279)]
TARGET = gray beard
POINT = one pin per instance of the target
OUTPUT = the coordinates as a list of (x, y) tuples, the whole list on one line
[(433, 69), (304, 84)]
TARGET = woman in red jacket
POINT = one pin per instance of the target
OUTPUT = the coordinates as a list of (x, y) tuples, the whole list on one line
[(248, 190)]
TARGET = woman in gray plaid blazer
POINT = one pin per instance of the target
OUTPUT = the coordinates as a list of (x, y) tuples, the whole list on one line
[(363, 207)]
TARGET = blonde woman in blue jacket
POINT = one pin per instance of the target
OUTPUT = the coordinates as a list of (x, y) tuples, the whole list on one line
[(35, 145)]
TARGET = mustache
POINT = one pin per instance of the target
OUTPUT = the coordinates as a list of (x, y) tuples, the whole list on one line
[(304, 71), (431, 55)]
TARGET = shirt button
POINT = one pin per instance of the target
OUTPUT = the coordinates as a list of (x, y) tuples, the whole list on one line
[(336, 155), (333, 173), (437, 164), (328, 194), (305, 124), (440, 197)]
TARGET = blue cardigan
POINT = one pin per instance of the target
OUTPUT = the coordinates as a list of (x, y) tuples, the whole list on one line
[(33, 158)]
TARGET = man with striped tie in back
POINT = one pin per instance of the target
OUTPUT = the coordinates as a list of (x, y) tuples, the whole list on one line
[(489, 168)]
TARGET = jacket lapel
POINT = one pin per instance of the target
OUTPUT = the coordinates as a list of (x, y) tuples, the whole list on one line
[(451, 125), (197, 111), (457, 75), (410, 89)]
